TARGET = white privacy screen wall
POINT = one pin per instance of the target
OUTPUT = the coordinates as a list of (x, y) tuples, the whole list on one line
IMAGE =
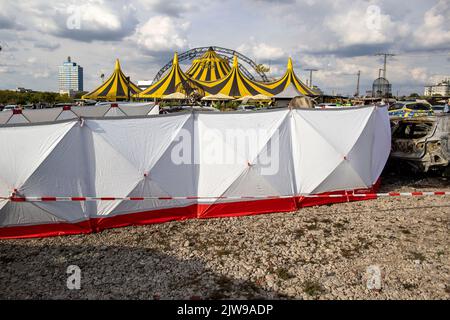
[(188, 165)]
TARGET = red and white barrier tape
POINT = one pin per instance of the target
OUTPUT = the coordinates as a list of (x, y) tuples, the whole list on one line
[(343, 195)]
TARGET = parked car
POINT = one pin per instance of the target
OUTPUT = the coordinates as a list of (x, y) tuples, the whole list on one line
[(9, 107), (244, 107), (439, 108), (409, 109)]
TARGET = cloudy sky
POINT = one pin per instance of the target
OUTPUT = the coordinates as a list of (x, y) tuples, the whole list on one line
[(338, 37)]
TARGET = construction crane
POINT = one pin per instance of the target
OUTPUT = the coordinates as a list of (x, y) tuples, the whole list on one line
[(385, 60)]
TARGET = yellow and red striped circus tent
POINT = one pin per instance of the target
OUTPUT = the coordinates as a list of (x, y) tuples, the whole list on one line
[(115, 88), (168, 84), (235, 84), (209, 67)]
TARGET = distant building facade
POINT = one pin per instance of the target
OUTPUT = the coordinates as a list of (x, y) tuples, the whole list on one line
[(70, 78), (442, 89)]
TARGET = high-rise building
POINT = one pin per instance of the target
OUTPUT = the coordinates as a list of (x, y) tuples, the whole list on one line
[(70, 78)]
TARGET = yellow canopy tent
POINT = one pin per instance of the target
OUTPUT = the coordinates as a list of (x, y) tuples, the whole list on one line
[(115, 88), (175, 96), (260, 97), (288, 78), (235, 84), (217, 97), (170, 83), (209, 67)]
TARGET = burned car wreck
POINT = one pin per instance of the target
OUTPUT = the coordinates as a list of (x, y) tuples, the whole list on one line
[(422, 142)]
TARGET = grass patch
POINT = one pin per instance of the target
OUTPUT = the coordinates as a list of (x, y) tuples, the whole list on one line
[(409, 286), (223, 252), (299, 233), (339, 225), (417, 256), (312, 288), (284, 274), (311, 227)]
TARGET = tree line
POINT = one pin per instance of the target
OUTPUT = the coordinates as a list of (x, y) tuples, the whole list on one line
[(23, 98)]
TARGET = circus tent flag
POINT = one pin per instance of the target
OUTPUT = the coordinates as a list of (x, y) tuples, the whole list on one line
[(171, 83), (209, 67), (115, 88)]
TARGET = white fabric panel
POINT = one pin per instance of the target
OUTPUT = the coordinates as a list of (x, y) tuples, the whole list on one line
[(2, 204), (141, 141), (323, 141), (24, 148), (137, 109), (24, 213), (340, 127), (148, 146), (187, 155), (223, 155), (5, 188), (272, 172), (64, 173), (382, 141), (114, 112), (66, 115), (314, 158), (114, 175), (4, 116), (154, 110), (17, 119), (360, 157), (175, 170), (42, 115), (343, 177), (96, 111)]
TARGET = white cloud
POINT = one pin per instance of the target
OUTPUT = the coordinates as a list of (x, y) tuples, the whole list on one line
[(261, 51), (435, 30), (162, 34), (366, 25)]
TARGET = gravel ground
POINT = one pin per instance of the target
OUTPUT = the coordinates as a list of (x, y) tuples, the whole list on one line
[(315, 253)]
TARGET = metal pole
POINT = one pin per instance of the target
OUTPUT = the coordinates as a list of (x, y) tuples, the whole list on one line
[(128, 88), (357, 84)]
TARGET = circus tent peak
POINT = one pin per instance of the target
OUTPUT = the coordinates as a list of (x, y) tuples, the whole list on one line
[(209, 67), (115, 88), (169, 84), (236, 84)]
